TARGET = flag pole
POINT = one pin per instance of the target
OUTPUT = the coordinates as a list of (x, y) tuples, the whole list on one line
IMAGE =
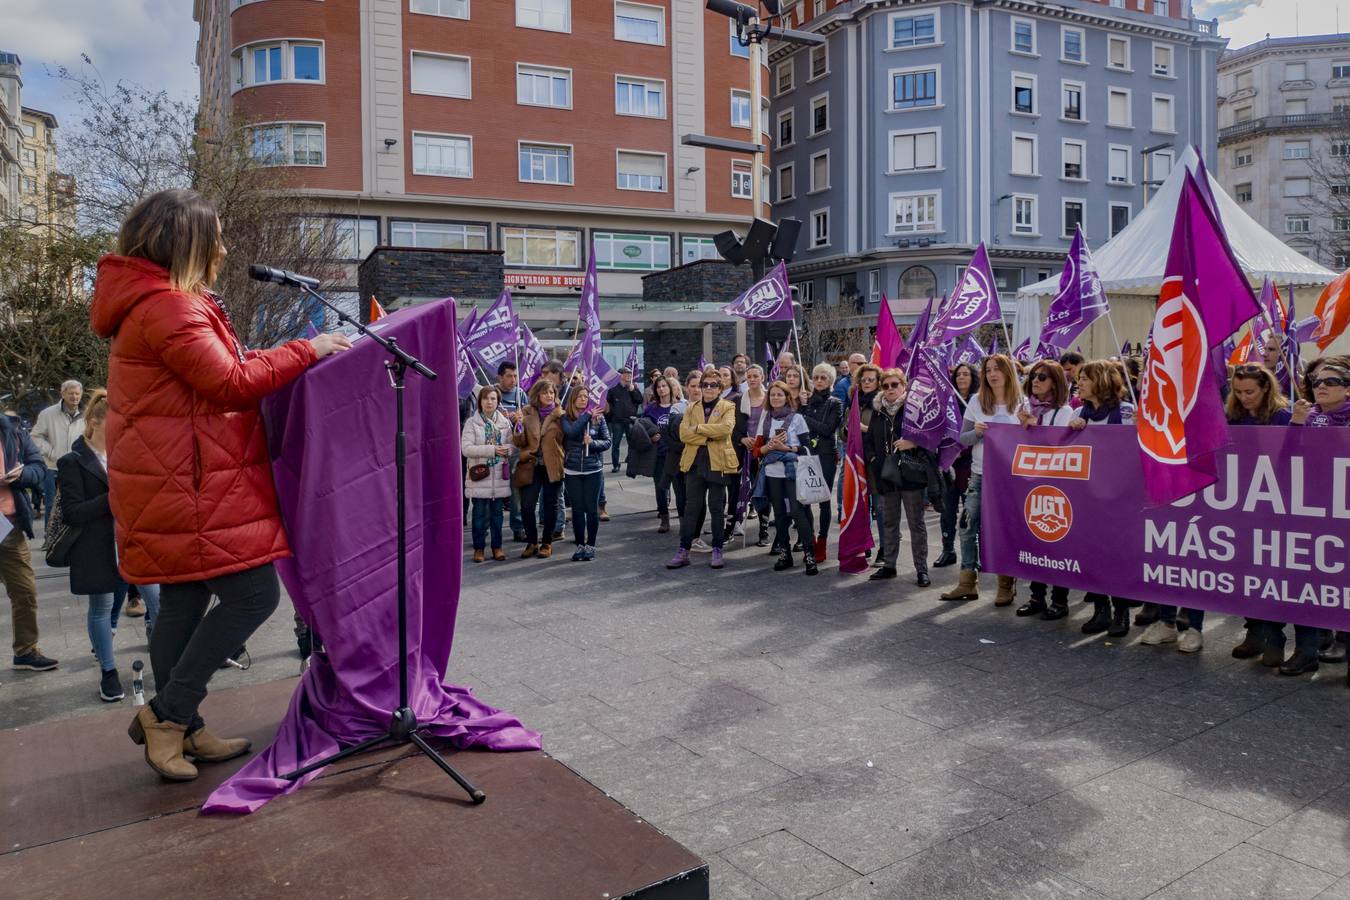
[(1111, 320)]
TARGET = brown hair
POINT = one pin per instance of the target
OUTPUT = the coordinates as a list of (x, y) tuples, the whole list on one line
[(787, 392), (95, 410), (1272, 400), (538, 388), (857, 377), (1058, 382), (490, 389), (1107, 382), (1014, 387), (178, 230), (571, 408), (895, 373)]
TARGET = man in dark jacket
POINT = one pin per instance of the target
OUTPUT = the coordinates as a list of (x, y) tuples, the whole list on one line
[(23, 468), (624, 403)]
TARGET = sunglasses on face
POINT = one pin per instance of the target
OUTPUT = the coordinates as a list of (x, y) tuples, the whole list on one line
[(712, 384), (1040, 376), (892, 385), (1332, 381)]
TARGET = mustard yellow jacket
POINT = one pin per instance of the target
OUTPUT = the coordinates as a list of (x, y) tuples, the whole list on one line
[(715, 434)]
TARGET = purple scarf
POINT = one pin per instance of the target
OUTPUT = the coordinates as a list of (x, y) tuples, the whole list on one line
[(1331, 418), (1038, 406), (546, 411)]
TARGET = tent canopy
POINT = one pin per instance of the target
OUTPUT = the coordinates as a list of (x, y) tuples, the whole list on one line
[(1132, 262)]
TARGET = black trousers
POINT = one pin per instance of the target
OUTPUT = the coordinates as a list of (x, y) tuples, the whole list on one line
[(783, 497), (529, 499), (584, 493), (188, 644), (829, 463), (702, 494), (1059, 596)]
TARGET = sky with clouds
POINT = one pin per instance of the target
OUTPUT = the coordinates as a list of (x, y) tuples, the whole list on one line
[(152, 42)]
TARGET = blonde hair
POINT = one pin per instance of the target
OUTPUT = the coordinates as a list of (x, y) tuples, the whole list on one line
[(95, 410), (179, 231)]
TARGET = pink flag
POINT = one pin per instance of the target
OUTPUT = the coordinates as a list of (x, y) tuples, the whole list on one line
[(1204, 299), (889, 343), (855, 525)]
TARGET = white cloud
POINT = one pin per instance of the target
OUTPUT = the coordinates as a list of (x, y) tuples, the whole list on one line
[(1248, 21)]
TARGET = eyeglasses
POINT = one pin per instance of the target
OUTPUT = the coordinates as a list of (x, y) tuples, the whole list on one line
[(1333, 381), (1040, 376), (892, 385)]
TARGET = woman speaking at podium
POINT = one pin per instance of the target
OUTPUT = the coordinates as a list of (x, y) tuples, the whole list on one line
[(191, 486)]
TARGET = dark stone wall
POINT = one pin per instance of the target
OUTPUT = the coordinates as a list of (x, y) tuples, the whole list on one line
[(391, 272)]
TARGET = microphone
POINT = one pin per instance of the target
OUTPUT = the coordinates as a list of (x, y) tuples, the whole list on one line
[(281, 276)]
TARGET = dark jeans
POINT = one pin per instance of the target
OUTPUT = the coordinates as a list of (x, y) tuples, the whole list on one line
[(951, 509), (617, 432), (1196, 617), (700, 495), (188, 644), (829, 464), (663, 482), (530, 496), (1099, 600), (487, 516), (1307, 639), (783, 497), (583, 492), (1059, 596)]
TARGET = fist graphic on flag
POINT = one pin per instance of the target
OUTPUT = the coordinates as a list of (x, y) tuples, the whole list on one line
[(1172, 375)]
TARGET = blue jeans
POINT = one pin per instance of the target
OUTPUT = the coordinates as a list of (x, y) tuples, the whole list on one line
[(617, 432), (48, 495), (970, 535), (487, 514), (1168, 614), (99, 622), (583, 492)]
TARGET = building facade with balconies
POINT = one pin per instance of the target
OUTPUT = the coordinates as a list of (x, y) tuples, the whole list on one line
[(1284, 108), (46, 195), (11, 135)]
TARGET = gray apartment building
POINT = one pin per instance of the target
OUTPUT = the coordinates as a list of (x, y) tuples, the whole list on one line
[(924, 127)]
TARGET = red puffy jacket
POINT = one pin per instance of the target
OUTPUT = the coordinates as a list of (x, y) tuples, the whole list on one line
[(191, 485)]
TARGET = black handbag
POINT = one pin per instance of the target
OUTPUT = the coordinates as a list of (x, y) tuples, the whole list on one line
[(60, 537), (905, 470)]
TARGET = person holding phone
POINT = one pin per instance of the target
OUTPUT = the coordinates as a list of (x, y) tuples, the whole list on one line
[(782, 431)]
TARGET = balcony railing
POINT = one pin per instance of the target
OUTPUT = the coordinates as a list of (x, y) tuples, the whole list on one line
[(1301, 122)]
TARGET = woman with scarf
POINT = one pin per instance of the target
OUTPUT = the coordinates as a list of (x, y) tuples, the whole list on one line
[(823, 414), (708, 462), (585, 440), (539, 471), (780, 436), (1101, 388), (866, 385), (956, 479), (665, 394), (486, 444), (750, 409), (886, 437), (1047, 392)]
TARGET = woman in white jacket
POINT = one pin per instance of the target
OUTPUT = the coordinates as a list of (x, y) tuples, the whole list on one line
[(1047, 391), (486, 444)]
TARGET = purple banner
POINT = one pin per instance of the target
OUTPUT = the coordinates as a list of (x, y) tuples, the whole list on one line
[(974, 302), (1268, 540), (769, 299)]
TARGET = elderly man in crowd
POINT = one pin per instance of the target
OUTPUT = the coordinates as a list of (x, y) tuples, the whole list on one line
[(56, 429)]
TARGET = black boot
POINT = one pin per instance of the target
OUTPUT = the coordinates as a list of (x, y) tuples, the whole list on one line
[(763, 534), (809, 561), (1298, 664), (948, 558), (1147, 615), (1059, 608), (1101, 618), (1120, 620), (784, 561), (1034, 606), (664, 527)]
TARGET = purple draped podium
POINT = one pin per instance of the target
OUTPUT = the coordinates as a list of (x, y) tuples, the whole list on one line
[(331, 436)]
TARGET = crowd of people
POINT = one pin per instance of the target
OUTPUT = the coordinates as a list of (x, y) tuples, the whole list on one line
[(726, 442)]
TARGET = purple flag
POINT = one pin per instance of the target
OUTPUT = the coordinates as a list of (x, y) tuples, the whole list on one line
[(588, 310), (702, 362), (309, 332), (855, 525), (974, 302), (1205, 298), (743, 496), (494, 337), (464, 377), (769, 299), (1023, 353), (932, 411), (993, 347), (918, 337), (968, 352), (1080, 300), (888, 342), (466, 326), (532, 357), (631, 362)]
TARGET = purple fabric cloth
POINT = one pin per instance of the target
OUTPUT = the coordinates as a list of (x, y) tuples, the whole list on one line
[(331, 435), (769, 299)]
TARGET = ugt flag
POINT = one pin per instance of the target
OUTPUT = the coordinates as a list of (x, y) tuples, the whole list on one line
[(974, 302), (932, 411), (768, 300), (968, 353), (1080, 300), (588, 310), (1204, 299), (855, 526)]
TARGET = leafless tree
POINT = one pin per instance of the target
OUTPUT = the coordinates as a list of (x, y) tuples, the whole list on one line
[(1329, 200), (832, 332)]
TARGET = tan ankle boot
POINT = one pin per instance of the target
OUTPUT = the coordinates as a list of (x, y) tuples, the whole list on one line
[(968, 588), (163, 745), (1007, 590), (203, 746)]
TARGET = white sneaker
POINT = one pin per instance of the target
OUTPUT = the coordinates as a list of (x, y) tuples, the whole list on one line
[(1159, 632), (739, 530), (1191, 641), (699, 547)]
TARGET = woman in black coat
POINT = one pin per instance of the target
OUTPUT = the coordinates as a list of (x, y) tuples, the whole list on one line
[(82, 479), (823, 414)]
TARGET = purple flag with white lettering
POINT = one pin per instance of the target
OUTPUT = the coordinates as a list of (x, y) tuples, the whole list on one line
[(532, 357), (968, 352), (631, 362), (493, 337), (767, 300), (918, 337), (1080, 300), (588, 310), (932, 410), (974, 302), (464, 376)]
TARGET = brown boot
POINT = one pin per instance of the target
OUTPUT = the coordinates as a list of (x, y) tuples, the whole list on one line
[(203, 746), (604, 513), (498, 554), (968, 588), (1007, 590), (163, 745), (530, 550)]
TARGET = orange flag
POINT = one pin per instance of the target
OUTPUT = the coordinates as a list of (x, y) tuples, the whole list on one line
[(376, 310), (1332, 311)]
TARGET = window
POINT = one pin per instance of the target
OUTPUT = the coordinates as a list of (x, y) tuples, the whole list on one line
[(446, 155), (1161, 165), (1340, 69), (915, 212), (1296, 107), (1341, 189), (1119, 165), (913, 31), (29, 184), (1164, 118), (820, 171), (641, 171), (639, 23), (288, 144), (817, 7), (1072, 101), (741, 185), (914, 150), (1024, 215), (544, 247), (546, 163), (785, 76), (740, 109), (785, 122), (1242, 81), (1297, 187), (438, 235), (547, 15), (1118, 107), (453, 9), (1071, 44), (1297, 150), (914, 88), (1340, 149), (1120, 217), (276, 62), (1297, 224), (1340, 223), (1024, 94), (1295, 71), (29, 129), (820, 115), (764, 125), (787, 187), (29, 213), (1073, 217), (1243, 193), (693, 248), (820, 228), (873, 285), (1242, 114), (1162, 8), (737, 48), (1162, 60), (639, 97), (352, 238), (820, 61), (1023, 36), (1118, 53), (806, 293), (1024, 154), (540, 86), (445, 76), (631, 252), (1340, 105), (28, 157), (1075, 153), (1242, 156)]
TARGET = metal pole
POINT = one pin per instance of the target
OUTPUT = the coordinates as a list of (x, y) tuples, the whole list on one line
[(756, 125)]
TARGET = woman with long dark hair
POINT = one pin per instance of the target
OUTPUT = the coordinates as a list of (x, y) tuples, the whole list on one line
[(956, 478), (1047, 392), (191, 482)]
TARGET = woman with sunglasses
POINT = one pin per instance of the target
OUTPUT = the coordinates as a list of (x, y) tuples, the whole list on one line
[(885, 436), (823, 414), (779, 440), (866, 386), (956, 479), (1047, 393), (750, 409), (709, 464)]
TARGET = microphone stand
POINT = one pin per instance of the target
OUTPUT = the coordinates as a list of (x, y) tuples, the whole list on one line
[(403, 725)]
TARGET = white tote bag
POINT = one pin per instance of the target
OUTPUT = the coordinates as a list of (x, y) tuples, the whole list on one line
[(811, 485)]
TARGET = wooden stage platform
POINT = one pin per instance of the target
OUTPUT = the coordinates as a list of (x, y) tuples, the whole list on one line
[(84, 816)]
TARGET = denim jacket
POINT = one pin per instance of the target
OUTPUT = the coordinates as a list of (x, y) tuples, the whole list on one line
[(581, 457)]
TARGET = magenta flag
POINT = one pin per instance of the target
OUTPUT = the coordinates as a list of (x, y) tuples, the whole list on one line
[(974, 302), (767, 300), (1205, 298), (1080, 300), (855, 525), (889, 343)]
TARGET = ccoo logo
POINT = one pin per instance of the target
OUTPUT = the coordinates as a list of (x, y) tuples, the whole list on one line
[(1172, 376), (1048, 513)]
